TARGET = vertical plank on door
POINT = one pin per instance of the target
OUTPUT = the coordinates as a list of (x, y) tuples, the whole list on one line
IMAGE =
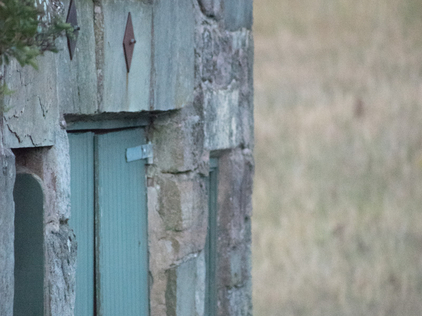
[(29, 247), (211, 242), (122, 266), (82, 218)]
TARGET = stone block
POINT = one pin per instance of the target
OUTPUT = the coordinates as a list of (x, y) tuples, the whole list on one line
[(61, 267), (7, 230), (157, 293), (182, 201), (222, 124), (123, 91), (77, 78), (205, 49), (224, 58), (247, 125), (211, 8), (200, 284), (239, 302), (189, 241), (56, 176), (173, 68), (31, 112), (235, 301), (178, 142), (246, 57), (234, 227), (238, 14), (234, 198), (185, 288), (236, 264)]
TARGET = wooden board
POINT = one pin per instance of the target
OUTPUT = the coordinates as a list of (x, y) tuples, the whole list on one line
[(82, 218)]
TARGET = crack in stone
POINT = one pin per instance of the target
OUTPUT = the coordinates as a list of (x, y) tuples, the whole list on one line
[(189, 171), (14, 133), (32, 141), (44, 111)]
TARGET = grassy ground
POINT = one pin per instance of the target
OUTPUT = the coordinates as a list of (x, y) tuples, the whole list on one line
[(338, 188)]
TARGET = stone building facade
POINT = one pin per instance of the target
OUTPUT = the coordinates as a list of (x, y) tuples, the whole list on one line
[(186, 108)]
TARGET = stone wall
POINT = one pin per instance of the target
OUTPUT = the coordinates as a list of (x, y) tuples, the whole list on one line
[(218, 123), (192, 83), (51, 166), (7, 214)]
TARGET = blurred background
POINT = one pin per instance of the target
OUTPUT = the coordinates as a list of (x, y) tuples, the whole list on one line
[(337, 224)]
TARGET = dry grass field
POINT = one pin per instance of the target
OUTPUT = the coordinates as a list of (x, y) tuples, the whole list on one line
[(337, 226)]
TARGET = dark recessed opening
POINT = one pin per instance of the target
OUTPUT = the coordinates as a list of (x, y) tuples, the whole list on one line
[(29, 250)]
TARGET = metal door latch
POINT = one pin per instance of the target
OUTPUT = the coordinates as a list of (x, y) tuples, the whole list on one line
[(140, 152)]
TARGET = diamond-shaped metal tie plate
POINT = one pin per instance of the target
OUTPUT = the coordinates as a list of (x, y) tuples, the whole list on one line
[(72, 19), (129, 42)]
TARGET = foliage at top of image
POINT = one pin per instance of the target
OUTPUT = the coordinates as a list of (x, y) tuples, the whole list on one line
[(26, 32)]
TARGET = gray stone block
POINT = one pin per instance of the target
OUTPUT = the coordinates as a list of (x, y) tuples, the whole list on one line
[(182, 201), (200, 284), (185, 284), (173, 69), (61, 267), (225, 57), (31, 112), (235, 301), (247, 93), (77, 78), (238, 14), (56, 173), (7, 230), (235, 191), (222, 124), (178, 141), (239, 302), (236, 263), (205, 49), (211, 8), (234, 227), (247, 125), (124, 91)]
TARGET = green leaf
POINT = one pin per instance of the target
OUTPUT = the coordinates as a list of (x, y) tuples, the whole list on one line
[(33, 63), (24, 35)]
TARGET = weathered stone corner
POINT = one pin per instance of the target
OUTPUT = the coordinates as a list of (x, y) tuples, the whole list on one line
[(235, 210), (7, 180)]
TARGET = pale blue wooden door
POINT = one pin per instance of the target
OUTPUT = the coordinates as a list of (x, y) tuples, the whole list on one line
[(29, 247), (121, 226), (82, 219), (110, 222)]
